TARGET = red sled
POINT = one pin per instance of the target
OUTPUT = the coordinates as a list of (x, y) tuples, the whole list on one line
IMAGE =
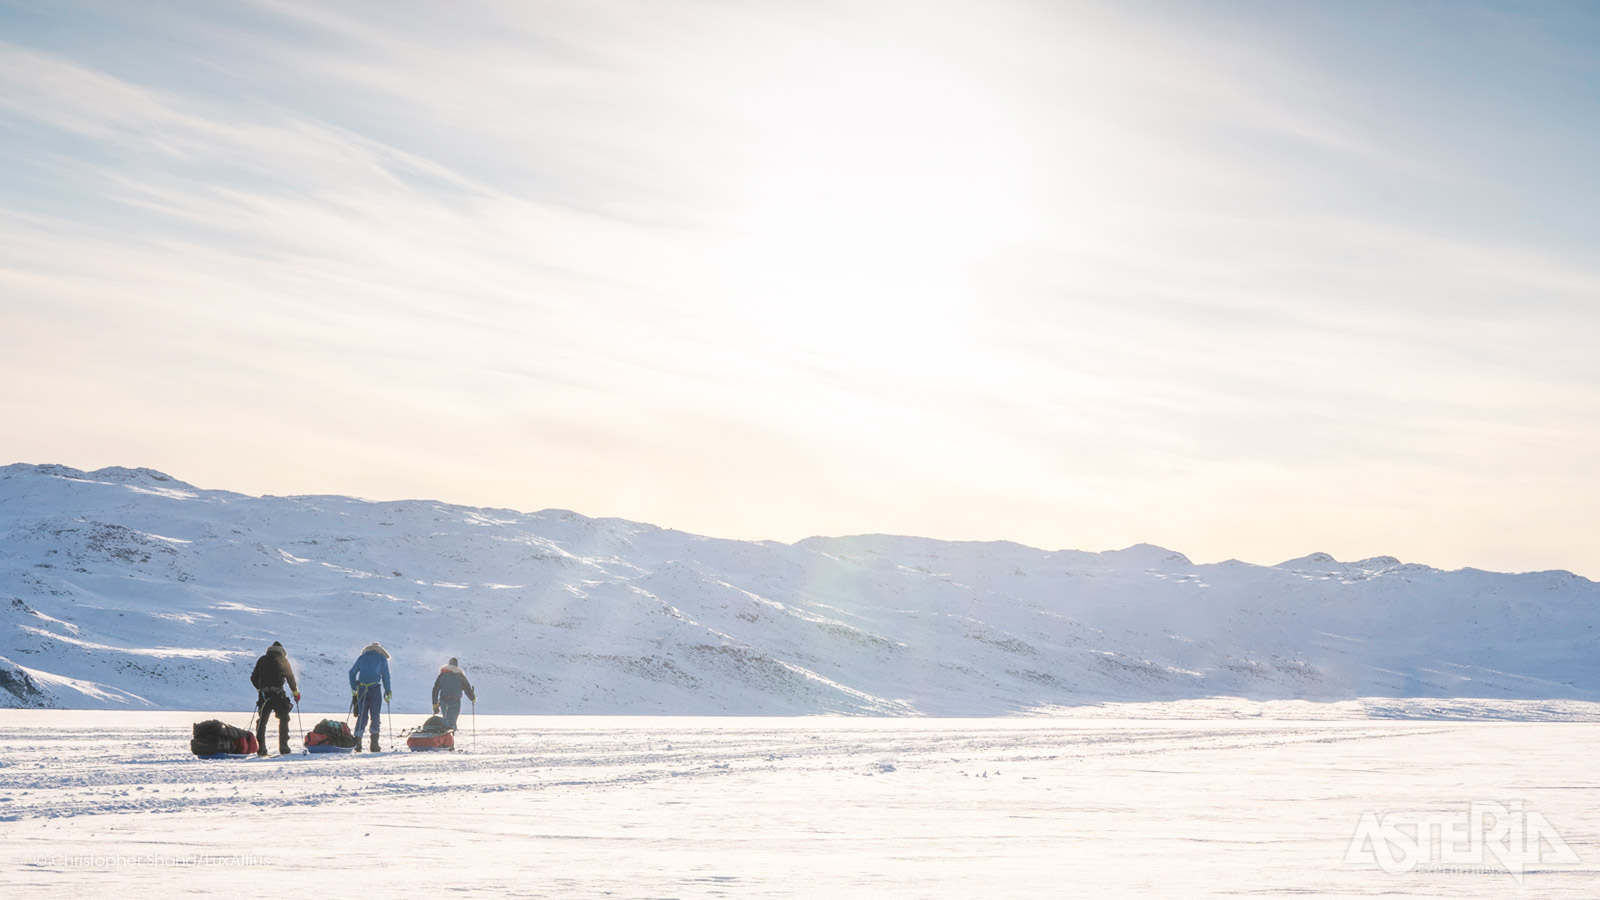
[(330, 736), (433, 735), (440, 740), (215, 739)]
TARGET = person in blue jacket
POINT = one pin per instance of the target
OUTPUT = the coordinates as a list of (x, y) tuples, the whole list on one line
[(367, 676)]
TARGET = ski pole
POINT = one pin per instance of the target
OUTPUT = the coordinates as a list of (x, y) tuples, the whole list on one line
[(390, 710), (299, 725), (474, 725)]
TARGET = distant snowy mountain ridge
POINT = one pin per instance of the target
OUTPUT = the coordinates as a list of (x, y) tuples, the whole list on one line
[(128, 588)]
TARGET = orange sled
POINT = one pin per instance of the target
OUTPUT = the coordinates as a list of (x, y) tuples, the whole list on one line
[(433, 735)]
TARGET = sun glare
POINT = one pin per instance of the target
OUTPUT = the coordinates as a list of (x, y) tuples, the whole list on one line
[(877, 182)]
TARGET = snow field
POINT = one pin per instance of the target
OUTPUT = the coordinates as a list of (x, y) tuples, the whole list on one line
[(112, 803)]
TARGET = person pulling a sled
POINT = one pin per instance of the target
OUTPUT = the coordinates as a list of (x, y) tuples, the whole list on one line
[(367, 677), (447, 691), (271, 672)]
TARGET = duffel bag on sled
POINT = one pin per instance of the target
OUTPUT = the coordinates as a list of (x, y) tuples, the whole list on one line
[(330, 736), (433, 735), (217, 738)]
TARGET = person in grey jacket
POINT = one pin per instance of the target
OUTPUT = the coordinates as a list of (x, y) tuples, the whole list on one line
[(447, 691)]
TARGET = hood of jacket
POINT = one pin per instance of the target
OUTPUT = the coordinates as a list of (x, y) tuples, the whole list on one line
[(449, 668), (278, 649), (377, 648)]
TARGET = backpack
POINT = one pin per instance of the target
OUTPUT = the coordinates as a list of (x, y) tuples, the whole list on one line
[(215, 738), (331, 732)]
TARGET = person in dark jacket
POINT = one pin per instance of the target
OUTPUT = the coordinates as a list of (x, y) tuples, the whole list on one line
[(447, 691), (271, 673), (367, 676)]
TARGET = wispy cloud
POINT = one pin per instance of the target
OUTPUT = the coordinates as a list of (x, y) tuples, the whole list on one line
[(1074, 275)]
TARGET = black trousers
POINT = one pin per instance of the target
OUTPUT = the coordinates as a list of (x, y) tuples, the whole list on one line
[(267, 703)]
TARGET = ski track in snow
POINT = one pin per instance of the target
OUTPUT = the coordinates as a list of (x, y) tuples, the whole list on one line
[(123, 770), (804, 807)]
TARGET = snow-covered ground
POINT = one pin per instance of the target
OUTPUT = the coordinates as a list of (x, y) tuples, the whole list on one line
[(1185, 730), (126, 588), (111, 804)]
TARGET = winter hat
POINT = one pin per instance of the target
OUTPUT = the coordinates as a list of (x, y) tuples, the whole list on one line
[(453, 661), (276, 648), (376, 647)]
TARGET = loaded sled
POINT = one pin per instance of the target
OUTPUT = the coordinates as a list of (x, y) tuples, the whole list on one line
[(330, 736), (433, 735), (215, 739)]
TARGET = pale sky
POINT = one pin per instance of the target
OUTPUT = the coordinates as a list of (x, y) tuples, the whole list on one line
[(1243, 279)]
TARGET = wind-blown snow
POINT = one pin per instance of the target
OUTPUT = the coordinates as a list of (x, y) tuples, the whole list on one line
[(126, 588)]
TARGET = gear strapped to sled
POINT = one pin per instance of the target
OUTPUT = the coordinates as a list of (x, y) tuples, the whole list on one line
[(434, 734), (330, 735), (215, 738)]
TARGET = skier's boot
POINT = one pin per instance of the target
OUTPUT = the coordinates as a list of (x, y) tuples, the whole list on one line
[(283, 748), (261, 751), (374, 742)]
